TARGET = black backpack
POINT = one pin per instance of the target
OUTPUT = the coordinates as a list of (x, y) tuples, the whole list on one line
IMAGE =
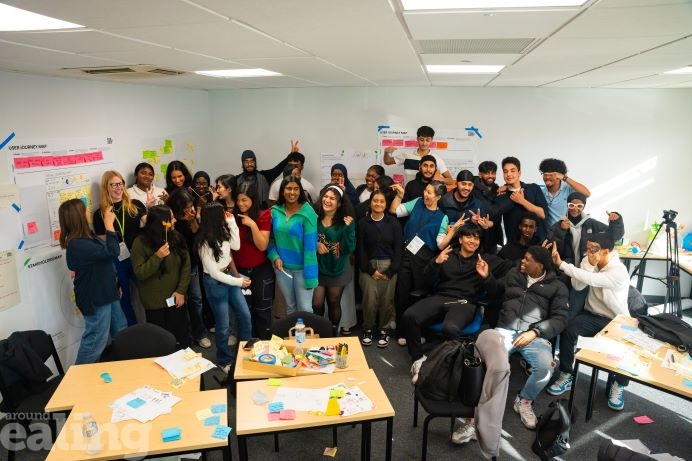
[(668, 328), (441, 374), (552, 430)]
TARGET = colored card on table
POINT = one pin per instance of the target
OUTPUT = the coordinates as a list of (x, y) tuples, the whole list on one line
[(643, 420), (218, 408), (136, 403), (212, 421), (274, 382), (287, 414), (171, 434), (221, 432), (204, 414), (273, 416)]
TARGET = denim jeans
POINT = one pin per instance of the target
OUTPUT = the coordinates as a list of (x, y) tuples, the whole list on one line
[(96, 329), (297, 296), (194, 305), (223, 297), (539, 355)]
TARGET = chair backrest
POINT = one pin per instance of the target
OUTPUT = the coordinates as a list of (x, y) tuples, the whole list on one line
[(23, 369), (142, 341), (320, 325)]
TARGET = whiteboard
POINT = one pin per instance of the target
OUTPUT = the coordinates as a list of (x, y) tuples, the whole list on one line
[(356, 161)]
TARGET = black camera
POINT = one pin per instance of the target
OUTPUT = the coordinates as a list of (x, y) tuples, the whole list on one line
[(669, 216)]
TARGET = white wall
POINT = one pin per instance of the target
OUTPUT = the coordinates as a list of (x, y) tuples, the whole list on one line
[(39, 107), (599, 133)]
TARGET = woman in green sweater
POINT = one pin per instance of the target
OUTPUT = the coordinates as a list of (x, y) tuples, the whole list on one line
[(161, 264), (336, 240)]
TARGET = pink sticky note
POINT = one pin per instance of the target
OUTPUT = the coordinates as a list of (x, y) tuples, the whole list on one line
[(20, 163), (398, 142), (287, 414), (273, 416), (411, 143), (386, 142), (35, 162), (643, 420), (98, 156), (32, 227)]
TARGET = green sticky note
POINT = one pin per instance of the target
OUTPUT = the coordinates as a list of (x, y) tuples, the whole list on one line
[(149, 154), (164, 167), (274, 382), (337, 393), (167, 146)]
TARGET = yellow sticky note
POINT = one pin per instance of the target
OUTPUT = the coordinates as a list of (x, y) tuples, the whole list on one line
[(204, 414), (274, 382)]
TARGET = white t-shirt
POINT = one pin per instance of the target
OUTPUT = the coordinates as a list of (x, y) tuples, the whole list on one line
[(138, 194), (309, 188), (411, 160)]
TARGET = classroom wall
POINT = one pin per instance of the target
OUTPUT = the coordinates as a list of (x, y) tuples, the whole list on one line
[(37, 107), (630, 147)]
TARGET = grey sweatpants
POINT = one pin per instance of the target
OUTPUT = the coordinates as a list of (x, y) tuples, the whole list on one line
[(491, 407)]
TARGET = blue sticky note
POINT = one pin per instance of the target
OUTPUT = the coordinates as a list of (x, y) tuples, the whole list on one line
[(273, 407), (221, 432), (212, 421), (170, 435), (687, 382), (136, 403), (629, 369), (218, 408), (628, 327), (106, 378)]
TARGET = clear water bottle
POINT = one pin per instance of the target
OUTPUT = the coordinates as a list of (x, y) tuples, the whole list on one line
[(300, 337), (90, 430)]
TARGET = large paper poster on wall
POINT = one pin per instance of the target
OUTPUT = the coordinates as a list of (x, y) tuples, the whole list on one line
[(52, 299), (31, 155), (458, 149), (356, 162)]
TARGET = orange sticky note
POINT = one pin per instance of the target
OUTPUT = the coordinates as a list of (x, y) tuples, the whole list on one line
[(32, 227), (56, 234)]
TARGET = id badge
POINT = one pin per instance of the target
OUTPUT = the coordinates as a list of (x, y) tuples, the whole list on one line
[(415, 245), (124, 252)]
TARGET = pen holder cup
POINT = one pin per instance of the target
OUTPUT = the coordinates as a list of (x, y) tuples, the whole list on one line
[(342, 361)]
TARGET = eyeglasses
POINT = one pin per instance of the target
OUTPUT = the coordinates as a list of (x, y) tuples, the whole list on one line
[(575, 206), (594, 249), (117, 185)]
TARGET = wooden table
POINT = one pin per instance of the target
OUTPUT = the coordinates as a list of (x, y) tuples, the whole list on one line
[(252, 419), (132, 438), (655, 376), (356, 358), (84, 381)]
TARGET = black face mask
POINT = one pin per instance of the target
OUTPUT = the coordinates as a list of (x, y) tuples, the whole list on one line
[(574, 219)]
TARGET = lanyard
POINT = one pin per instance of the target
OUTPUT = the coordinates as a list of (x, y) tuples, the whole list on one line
[(121, 226)]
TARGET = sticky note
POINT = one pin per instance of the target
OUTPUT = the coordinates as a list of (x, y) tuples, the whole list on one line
[(330, 451), (204, 414), (687, 382), (148, 154), (221, 432), (643, 420), (274, 382), (56, 232), (275, 406), (629, 369), (32, 227), (170, 435), (136, 403), (259, 397), (212, 421), (106, 378), (336, 393), (273, 416), (287, 414), (167, 146), (218, 408), (628, 327)]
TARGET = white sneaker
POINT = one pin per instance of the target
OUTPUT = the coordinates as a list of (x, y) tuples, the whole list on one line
[(464, 433), (415, 368), (204, 343), (232, 340), (525, 410)]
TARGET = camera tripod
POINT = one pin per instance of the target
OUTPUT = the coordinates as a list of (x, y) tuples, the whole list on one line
[(673, 301)]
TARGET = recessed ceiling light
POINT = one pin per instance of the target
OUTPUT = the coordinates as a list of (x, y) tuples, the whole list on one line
[(463, 69), (485, 4), (680, 71), (14, 19), (236, 73)]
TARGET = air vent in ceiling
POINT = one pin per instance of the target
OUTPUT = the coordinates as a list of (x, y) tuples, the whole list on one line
[(139, 71), (475, 46)]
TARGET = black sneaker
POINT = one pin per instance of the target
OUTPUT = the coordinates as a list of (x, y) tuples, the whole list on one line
[(366, 340), (384, 339)]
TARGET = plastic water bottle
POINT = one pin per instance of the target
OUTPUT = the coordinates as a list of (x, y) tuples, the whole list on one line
[(300, 337), (90, 430)]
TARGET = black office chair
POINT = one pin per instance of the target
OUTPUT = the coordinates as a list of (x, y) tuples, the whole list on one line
[(142, 341), (26, 383), (437, 409), (319, 324)]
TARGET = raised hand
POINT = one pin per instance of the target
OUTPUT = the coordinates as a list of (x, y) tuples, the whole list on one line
[(482, 267), (612, 215), (294, 146), (564, 224), (444, 255), (556, 257)]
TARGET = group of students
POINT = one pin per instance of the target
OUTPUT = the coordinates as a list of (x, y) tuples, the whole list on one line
[(258, 228)]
